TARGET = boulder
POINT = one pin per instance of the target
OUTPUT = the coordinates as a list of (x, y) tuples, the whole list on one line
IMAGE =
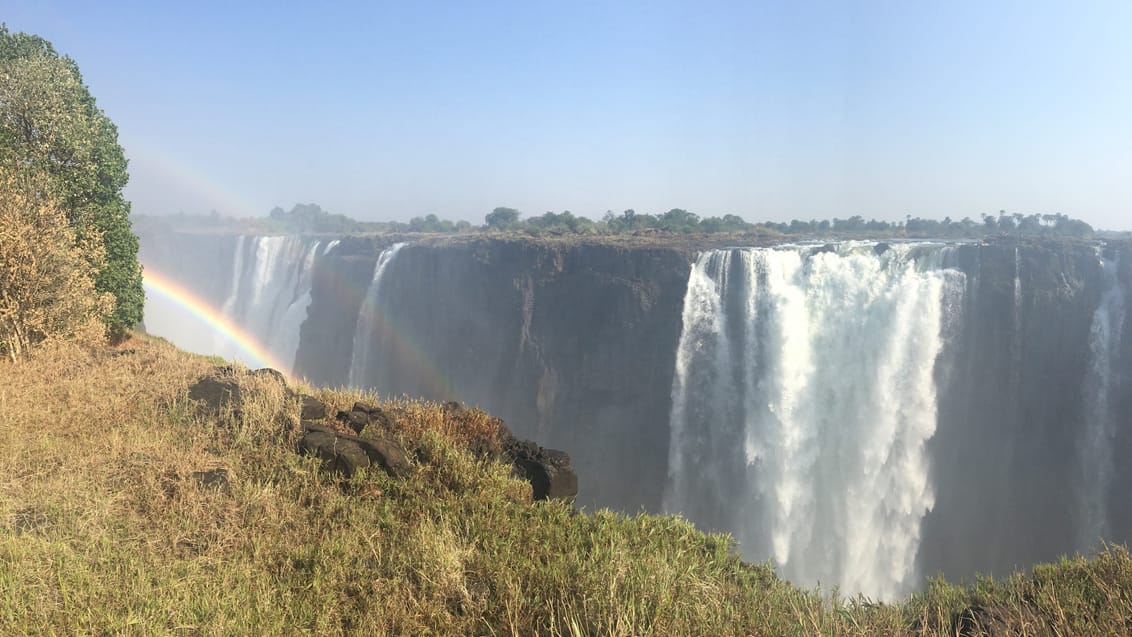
[(346, 454), (355, 420), (340, 455), (313, 408), (215, 393), (548, 470), (362, 415), (274, 374), (386, 452)]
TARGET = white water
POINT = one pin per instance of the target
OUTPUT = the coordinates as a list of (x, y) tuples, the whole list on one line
[(1100, 422), (368, 319), (270, 293), (802, 399)]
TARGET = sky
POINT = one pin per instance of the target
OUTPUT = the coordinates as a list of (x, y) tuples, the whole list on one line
[(768, 110)]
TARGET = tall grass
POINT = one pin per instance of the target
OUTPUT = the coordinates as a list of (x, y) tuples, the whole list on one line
[(107, 527)]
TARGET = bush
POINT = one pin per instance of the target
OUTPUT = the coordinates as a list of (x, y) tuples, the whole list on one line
[(47, 287)]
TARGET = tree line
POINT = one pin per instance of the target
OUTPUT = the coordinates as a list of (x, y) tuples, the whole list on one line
[(310, 218), (68, 255)]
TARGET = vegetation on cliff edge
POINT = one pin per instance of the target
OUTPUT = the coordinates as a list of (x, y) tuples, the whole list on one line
[(109, 523), (62, 150)]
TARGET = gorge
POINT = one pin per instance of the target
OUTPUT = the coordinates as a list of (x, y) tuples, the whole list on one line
[(863, 414)]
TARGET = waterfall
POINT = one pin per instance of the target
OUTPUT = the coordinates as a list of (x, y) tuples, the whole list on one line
[(292, 308), (219, 343), (369, 318), (802, 399), (270, 291), (1100, 420)]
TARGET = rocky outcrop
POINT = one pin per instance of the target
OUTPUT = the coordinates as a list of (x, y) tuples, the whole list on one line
[(218, 392), (548, 470), (573, 344), (365, 436), (345, 454), (1005, 461)]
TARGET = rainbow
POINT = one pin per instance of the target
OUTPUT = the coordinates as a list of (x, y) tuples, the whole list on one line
[(172, 291)]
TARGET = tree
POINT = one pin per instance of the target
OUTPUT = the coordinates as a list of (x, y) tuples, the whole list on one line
[(502, 219), (47, 272), (52, 131)]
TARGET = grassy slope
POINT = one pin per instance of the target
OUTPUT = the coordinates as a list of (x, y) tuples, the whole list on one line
[(103, 529)]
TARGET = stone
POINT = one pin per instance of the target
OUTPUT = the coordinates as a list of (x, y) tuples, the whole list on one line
[(548, 470), (274, 374), (215, 394), (313, 408), (385, 451), (362, 415), (338, 454), (355, 420)]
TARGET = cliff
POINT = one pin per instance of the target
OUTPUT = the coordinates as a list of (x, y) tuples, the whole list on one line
[(574, 344), (567, 343)]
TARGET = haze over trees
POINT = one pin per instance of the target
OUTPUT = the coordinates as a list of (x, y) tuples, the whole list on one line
[(59, 154), (310, 218)]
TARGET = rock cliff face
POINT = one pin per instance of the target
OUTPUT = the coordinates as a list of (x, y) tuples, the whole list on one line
[(574, 344), (1008, 463), (567, 344)]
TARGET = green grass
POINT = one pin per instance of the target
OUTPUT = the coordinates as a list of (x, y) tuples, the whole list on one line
[(104, 530)]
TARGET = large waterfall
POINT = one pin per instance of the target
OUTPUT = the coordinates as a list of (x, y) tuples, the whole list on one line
[(1100, 427), (369, 320), (267, 297), (862, 415), (802, 399)]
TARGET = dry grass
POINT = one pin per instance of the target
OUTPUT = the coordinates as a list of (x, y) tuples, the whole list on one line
[(107, 528)]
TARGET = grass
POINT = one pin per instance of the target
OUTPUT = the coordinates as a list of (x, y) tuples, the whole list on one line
[(105, 528)]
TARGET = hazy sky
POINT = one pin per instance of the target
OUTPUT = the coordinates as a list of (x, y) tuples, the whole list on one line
[(769, 110)]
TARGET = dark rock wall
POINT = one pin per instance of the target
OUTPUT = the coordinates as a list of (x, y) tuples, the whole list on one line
[(573, 346), (338, 286), (1005, 454)]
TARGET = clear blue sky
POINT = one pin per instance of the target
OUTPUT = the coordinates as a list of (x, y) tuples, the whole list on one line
[(770, 110)]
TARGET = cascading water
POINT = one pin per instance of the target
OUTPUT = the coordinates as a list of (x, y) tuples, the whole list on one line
[(270, 292), (802, 399), (1100, 421), (368, 319)]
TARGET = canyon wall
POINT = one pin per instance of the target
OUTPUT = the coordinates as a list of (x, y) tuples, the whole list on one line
[(966, 406)]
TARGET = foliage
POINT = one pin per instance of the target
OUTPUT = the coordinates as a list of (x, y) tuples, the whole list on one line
[(310, 218), (112, 531), (51, 127), (501, 219), (630, 222), (47, 287)]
